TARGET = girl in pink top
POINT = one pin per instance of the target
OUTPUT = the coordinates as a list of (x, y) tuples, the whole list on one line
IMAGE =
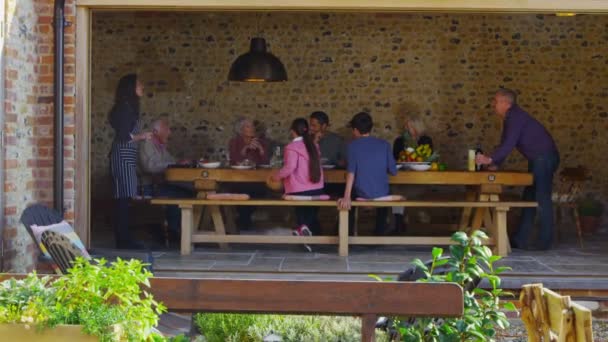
[(302, 174)]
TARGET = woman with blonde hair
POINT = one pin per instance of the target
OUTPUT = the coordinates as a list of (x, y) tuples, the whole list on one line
[(414, 134)]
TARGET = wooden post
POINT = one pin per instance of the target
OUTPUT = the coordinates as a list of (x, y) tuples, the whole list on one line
[(368, 328), (187, 228), (343, 233)]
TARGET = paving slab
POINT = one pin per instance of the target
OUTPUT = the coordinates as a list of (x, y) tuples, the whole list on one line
[(321, 265), (257, 264)]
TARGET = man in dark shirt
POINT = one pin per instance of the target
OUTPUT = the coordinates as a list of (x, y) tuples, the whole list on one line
[(331, 145), (369, 161), (522, 131)]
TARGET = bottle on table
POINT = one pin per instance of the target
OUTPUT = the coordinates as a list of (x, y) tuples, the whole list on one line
[(478, 150), (471, 160), (277, 159)]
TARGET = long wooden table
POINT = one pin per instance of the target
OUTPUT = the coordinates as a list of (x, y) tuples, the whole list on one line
[(481, 186), (503, 178)]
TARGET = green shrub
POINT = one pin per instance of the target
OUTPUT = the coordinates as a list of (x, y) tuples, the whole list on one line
[(291, 328), (108, 301), (483, 313)]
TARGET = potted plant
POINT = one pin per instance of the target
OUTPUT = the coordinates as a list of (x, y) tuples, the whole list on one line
[(93, 302), (590, 211)]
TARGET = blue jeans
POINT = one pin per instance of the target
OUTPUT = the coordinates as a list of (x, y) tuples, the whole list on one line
[(173, 214), (542, 167)]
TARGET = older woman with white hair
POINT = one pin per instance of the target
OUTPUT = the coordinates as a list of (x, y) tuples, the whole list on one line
[(414, 133), (246, 145)]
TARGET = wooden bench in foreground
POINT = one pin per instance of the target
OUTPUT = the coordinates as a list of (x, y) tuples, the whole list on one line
[(548, 316), (367, 300), (495, 222)]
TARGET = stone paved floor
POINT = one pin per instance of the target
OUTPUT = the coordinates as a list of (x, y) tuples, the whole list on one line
[(565, 267)]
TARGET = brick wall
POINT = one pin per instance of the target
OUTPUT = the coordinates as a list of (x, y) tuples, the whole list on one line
[(443, 66), (29, 121)]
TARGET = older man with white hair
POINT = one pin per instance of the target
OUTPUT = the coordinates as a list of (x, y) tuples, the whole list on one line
[(154, 158)]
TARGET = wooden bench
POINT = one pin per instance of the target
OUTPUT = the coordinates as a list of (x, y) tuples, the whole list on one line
[(549, 316), (367, 300), (496, 223)]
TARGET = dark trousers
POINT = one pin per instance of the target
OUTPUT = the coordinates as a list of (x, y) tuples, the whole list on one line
[(542, 167), (121, 222), (381, 215), (309, 216), (244, 212), (173, 214)]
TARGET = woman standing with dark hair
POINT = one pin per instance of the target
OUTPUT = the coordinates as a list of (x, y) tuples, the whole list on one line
[(124, 119), (302, 175)]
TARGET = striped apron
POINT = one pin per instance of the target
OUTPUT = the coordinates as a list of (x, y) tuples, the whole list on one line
[(123, 166)]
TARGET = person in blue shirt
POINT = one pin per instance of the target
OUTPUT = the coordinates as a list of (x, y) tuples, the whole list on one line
[(369, 160), (522, 131)]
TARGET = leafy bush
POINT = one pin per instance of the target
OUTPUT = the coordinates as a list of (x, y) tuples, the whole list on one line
[(483, 312), (108, 301), (254, 327)]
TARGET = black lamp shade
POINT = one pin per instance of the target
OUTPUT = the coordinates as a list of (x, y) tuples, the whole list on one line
[(257, 65)]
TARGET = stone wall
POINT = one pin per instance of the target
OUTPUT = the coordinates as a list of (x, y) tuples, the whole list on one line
[(28, 127), (445, 67)]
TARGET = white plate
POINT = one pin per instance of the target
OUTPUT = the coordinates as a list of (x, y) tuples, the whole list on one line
[(416, 163), (329, 166), (420, 167), (265, 166), (242, 167), (211, 165)]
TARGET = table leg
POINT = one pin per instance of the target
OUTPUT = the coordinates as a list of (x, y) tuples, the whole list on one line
[(343, 233), (218, 223), (501, 238), (479, 213), (187, 225), (465, 219)]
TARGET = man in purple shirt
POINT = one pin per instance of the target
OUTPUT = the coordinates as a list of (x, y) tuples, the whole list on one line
[(522, 131)]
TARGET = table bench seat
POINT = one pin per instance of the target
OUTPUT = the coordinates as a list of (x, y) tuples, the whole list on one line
[(495, 218)]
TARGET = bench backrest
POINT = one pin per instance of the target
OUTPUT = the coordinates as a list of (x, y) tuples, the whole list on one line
[(549, 316), (310, 297)]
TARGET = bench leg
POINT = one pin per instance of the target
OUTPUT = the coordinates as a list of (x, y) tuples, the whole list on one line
[(368, 328), (187, 228), (343, 233), (218, 223), (501, 237)]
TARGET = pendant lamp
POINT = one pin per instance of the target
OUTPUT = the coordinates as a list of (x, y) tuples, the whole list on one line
[(257, 65)]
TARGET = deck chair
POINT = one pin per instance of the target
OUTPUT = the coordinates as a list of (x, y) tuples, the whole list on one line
[(59, 243)]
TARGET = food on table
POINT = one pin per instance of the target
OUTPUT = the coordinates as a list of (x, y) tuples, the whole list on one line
[(422, 153)]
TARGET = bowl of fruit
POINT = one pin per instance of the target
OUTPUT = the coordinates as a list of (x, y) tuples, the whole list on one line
[(417, 158)]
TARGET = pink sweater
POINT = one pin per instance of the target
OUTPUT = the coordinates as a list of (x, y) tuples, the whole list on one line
[(294, 173)]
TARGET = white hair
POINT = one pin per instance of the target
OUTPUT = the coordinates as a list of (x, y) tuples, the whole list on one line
[(418, 123), (156, 125), (240, 122)]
